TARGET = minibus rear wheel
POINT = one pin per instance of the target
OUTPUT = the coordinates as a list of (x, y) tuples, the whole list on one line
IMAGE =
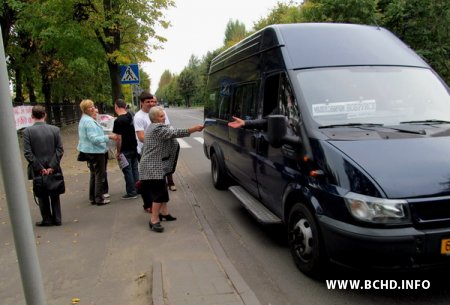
[(305, 241), (219, 177)]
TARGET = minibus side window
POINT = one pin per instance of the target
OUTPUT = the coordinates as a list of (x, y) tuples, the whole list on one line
[(217, 105), (244, 104), (223, 105)]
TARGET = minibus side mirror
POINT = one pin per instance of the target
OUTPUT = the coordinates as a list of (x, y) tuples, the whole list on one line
[(277, 131)]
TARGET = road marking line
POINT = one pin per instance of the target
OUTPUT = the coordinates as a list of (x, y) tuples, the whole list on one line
[(183, 143), (199, 139)]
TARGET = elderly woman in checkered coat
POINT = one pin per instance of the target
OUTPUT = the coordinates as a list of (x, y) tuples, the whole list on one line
[(158, 159)]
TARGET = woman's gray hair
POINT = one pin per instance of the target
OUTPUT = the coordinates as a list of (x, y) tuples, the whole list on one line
[(154, 111)]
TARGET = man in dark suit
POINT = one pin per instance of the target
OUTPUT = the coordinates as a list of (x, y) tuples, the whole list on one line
[(43, 150)]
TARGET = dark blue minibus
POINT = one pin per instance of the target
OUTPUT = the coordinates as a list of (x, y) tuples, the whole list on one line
[(346, 142)]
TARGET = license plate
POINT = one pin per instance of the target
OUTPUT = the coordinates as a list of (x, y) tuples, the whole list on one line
[(445, 246)]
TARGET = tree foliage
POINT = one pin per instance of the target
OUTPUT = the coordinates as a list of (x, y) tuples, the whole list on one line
[(234, 32), (348, 11), (67, 50), (187, 85), (280, 14), (423, 25), (123, 29), (165, 79)]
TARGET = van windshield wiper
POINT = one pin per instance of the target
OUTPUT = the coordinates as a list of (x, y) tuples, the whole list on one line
[(352, 125), (371, 125), (426, 122)]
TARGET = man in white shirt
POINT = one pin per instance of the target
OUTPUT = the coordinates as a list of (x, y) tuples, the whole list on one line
[(141, 119)]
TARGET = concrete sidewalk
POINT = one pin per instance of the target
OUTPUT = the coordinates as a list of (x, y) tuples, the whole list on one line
[(107, 254)]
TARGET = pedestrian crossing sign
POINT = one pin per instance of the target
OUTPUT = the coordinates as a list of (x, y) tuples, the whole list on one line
[(129, 74)]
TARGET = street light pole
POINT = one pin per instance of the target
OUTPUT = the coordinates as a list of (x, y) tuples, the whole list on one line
[(16, 194)]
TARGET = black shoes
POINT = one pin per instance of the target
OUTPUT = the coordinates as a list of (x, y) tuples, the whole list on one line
[(167, 217), (156, 227), (44, 224), (104, 201), (48, 223)]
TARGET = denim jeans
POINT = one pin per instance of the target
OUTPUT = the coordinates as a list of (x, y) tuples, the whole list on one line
[(131, 173)]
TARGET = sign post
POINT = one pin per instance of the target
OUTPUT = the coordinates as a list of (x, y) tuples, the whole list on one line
[(16, 194)]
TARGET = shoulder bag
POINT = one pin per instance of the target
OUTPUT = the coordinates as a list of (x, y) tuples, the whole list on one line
[(49, 185)]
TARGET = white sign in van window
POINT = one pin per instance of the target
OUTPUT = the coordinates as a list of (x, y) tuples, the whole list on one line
[(349, 108)]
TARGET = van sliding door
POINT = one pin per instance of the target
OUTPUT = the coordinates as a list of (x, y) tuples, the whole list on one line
[(243, 161)]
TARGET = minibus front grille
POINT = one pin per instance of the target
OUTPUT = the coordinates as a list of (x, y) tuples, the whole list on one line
[(433, 213)]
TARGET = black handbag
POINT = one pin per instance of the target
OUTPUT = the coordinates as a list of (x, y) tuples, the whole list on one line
[(49, 185), (82, 157)]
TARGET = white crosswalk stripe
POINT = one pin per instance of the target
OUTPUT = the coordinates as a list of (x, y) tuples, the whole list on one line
[(184, 143), (200, 139)]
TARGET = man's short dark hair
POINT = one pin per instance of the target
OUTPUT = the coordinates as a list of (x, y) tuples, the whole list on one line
[(121, 103), (145, 95), (38, 112)]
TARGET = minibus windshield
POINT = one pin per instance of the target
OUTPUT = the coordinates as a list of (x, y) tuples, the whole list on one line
[(373, 95)]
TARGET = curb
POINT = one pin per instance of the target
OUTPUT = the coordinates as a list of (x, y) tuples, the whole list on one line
[(247, 296), (157, 286)]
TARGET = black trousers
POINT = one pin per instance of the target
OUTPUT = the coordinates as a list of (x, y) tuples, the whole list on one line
[(50, 207), (97, 177), (105, 182)]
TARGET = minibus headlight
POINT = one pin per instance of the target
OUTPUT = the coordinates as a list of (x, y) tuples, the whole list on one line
[(377, 210)]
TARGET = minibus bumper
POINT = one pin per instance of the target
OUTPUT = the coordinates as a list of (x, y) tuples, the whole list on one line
[(384, 248)]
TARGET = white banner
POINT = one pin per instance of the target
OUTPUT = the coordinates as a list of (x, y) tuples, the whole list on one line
[(22, 116)]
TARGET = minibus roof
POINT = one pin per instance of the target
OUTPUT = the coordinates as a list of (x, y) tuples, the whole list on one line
[(312, 45), (332, 44)]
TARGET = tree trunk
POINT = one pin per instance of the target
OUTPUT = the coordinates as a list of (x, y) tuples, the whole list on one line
[(30, 89), (19, 93), (47, 91), (116, 86)]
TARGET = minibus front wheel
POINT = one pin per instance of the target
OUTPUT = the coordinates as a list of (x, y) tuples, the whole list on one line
[(305, 242), (218, 174)]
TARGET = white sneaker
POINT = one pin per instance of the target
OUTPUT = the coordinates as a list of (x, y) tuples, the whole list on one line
[(106, 195)]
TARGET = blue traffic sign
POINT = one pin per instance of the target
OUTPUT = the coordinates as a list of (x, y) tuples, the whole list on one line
[(129, 74)]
